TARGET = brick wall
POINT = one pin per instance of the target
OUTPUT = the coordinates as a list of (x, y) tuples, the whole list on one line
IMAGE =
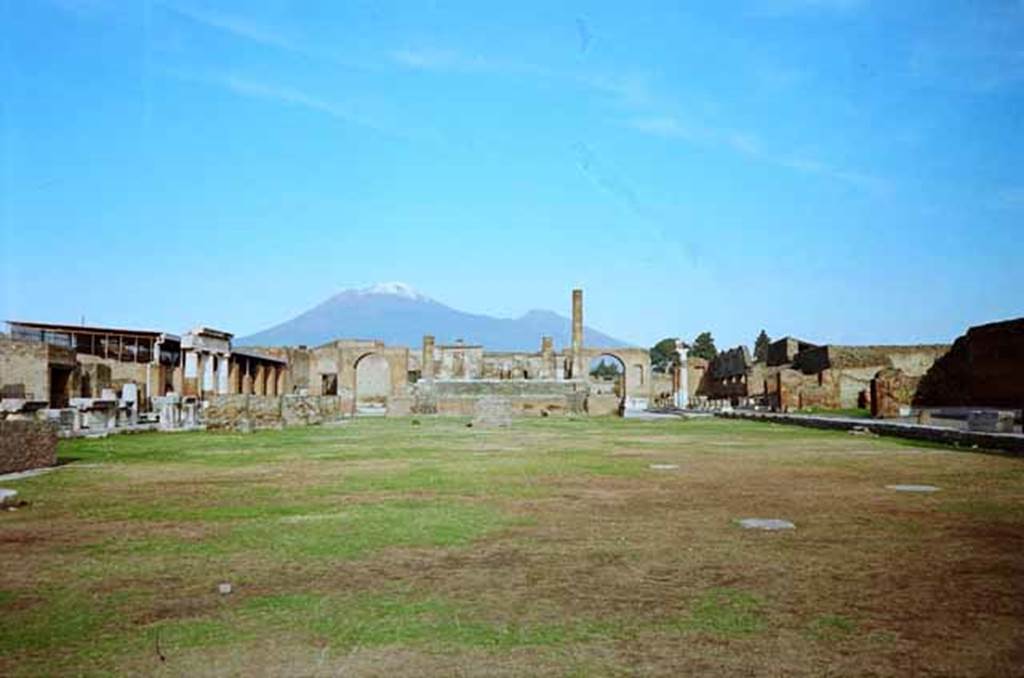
[(26, 445)]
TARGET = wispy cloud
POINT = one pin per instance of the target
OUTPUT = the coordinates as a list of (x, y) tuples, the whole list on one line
[(241, 27), (433, 59), (288, 96), (606, 178), (749, 146)]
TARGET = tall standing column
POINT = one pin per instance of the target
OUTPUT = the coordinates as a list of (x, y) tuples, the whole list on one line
[(683, 392), (427, 360), (223, 364), (578, 371)]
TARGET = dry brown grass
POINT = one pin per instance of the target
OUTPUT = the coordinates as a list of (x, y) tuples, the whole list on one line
[(600, 565)]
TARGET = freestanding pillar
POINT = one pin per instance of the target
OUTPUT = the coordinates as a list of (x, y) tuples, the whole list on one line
[(427, 360), (578, 371), (547, 358), (683, 387)]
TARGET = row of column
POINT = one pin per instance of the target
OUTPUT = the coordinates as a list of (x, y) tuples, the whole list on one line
[(261, 380)]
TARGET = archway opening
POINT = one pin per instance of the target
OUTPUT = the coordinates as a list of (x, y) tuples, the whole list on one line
[(373, 385), (607, 375)]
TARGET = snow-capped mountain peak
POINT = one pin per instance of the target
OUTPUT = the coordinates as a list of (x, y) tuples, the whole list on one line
[(395, 289)]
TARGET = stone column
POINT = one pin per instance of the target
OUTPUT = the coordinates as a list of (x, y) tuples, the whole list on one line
[(223, 364), (682, 395), (271, 387), (578, 371), (427, 360), (234, 378), (547, 358), (260, 383), (206, 374), (282, 381)]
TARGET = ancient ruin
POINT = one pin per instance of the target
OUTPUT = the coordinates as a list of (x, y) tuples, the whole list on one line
[(89, 380), (97, 380)]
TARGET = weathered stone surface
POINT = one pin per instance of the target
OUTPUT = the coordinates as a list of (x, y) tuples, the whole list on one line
[(492, 411), (247, 412), (27, 444), (990, 421), (984, 368), (766, 524), (892, 391), (912, 488)]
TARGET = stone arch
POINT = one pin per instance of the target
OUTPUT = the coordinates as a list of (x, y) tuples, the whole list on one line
[(607, 396), (371, 383), (637, 368)]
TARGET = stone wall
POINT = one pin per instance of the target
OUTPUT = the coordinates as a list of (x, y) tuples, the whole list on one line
[(984, 368), (23, 369), (526, 397), (892, 390), (111, 373), (236, 412), (913, 360), (26, 444)]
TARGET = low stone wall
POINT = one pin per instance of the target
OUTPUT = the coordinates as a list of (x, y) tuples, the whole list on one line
[(240, 412), (603, 405), (26, 444), (524, 397), (1005, 442)]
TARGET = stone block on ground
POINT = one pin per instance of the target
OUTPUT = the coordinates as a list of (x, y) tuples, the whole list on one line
[(492, 412)]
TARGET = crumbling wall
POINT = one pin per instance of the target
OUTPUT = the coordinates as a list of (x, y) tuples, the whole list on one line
[(663, 388), (509, 365), (891, 390), (525, 397), (599, 405), (236, 412), (24, 369), (26, 444), (457, 361), (984, 368), (110, 373)]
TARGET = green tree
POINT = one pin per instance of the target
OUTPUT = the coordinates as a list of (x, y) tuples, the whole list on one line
[(703, 347), (663, 354), (761, 346), (605, 370)]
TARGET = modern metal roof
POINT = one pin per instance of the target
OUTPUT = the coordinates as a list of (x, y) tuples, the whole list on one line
[(90, 329), (257, 356)]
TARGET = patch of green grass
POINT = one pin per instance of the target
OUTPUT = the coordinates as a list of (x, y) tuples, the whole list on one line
[(724, 612), (177, 634), (61, 618), (830, 627), (336, 532), (375, 620)]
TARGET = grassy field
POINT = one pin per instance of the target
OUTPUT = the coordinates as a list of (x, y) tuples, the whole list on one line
[(386, 547)]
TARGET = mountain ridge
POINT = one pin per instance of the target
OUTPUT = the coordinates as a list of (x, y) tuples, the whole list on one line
[(400, 315)]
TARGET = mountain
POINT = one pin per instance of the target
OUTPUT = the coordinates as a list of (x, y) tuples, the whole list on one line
[(399, 315)]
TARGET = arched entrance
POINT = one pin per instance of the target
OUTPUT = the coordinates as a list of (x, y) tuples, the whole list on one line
[(372, 385), (607, 376)]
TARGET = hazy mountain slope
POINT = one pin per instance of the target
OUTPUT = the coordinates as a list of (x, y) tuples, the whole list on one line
[(400, 315)]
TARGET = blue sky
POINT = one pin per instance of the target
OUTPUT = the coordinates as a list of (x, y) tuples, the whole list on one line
[(840, 170)]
